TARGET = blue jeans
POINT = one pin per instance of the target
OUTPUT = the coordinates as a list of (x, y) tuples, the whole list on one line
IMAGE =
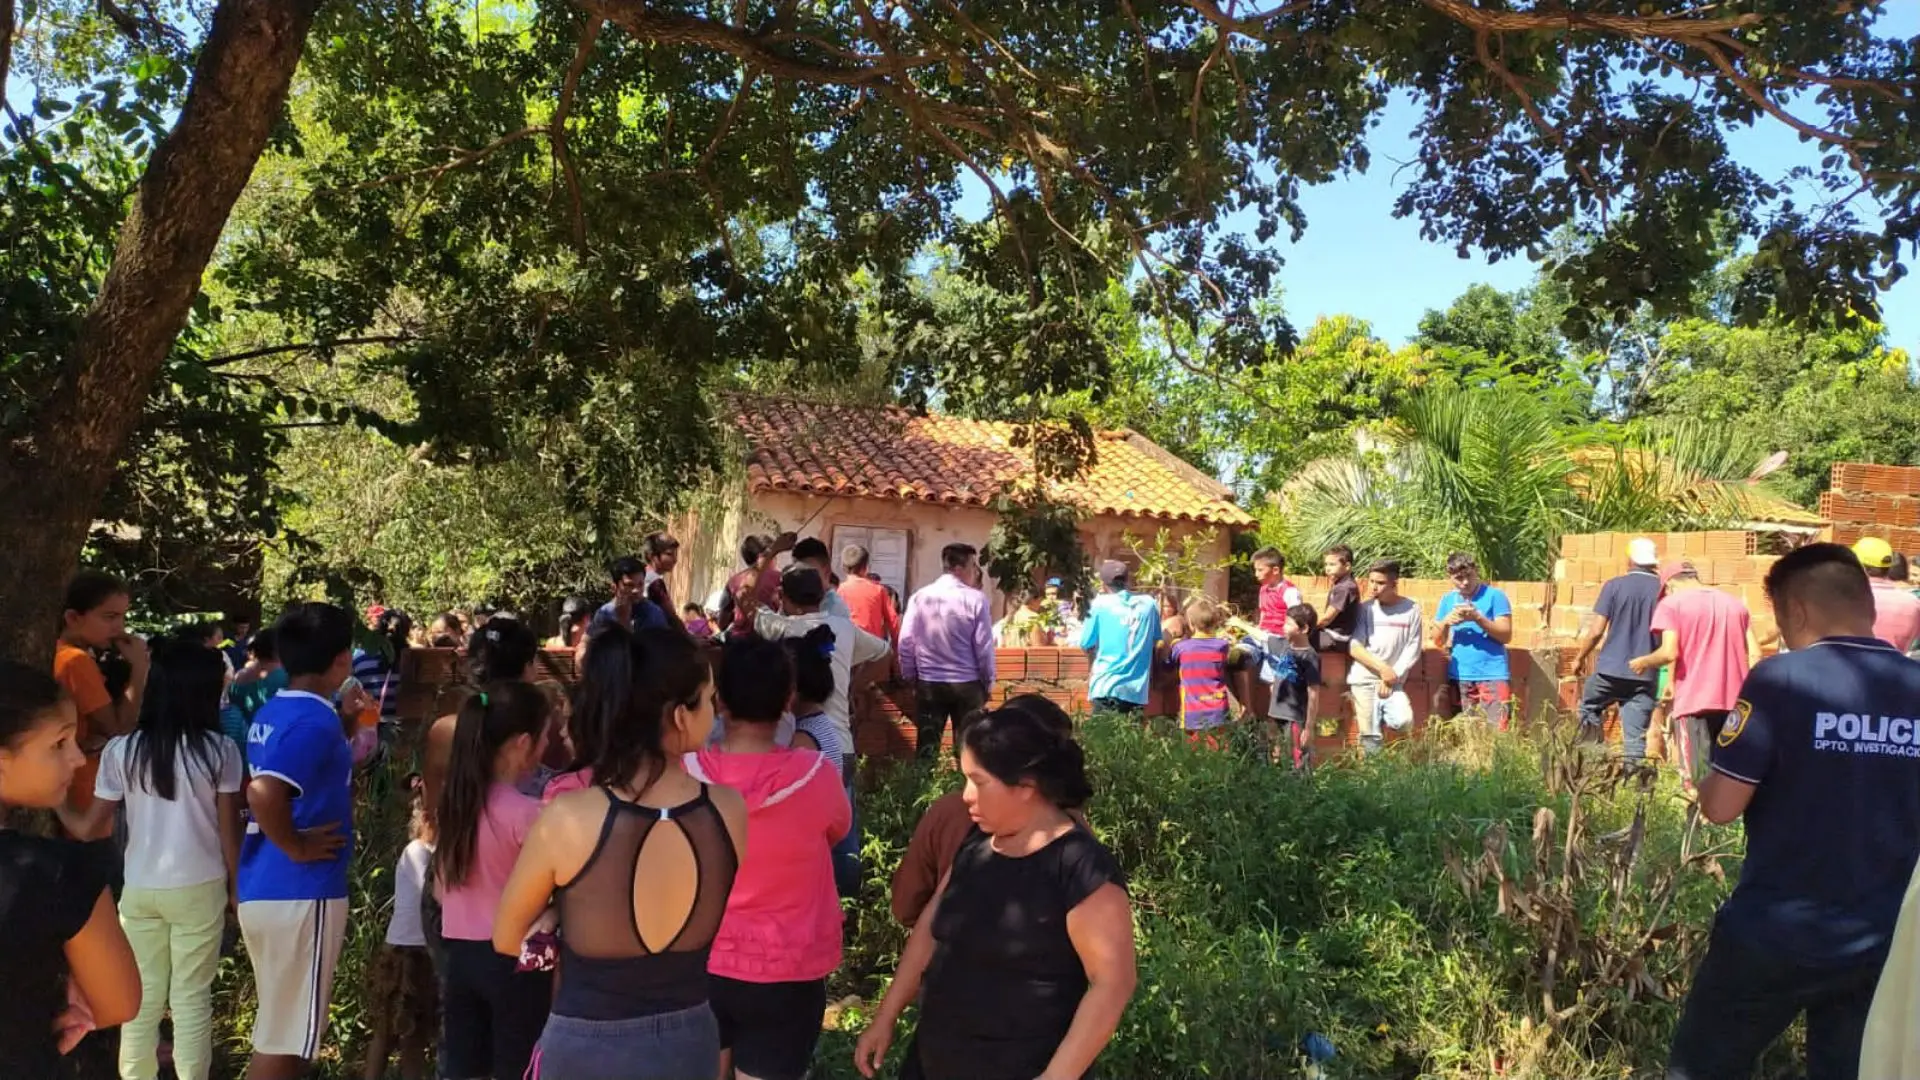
[(1635, 698), (683, 1045), (846, 853)]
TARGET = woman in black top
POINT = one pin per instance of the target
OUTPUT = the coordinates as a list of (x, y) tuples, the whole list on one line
[(1026, 953), (66, 965)]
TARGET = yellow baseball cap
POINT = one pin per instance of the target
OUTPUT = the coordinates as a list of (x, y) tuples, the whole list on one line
[(1873, 552)]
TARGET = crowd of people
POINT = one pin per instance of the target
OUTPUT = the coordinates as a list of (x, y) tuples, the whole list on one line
[(643, 875)]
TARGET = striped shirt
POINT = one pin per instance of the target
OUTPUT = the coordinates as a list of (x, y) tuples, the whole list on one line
[(1203, 681), (380, 679)]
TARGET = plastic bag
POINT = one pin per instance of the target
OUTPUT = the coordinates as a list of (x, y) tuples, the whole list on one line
[(1395, 710)]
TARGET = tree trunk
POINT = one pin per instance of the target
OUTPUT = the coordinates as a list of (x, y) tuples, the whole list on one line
[(52, 478)]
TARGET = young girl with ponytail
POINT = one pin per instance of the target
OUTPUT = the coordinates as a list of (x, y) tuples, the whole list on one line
[(492, 1013)]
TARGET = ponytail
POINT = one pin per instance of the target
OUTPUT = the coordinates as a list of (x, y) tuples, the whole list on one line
[(813, 664), (489, 719), (502, 651)]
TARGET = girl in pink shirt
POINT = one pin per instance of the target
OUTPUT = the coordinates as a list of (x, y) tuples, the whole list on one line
[(780, 938), (492, 1013)]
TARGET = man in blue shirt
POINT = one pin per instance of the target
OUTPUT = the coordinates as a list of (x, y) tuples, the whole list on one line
[(1121, 631), (629, 607), (1623, 617), (1821, 755), (1472, 625), (292, 886)]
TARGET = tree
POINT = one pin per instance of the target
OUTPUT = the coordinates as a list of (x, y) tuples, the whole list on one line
[(569, 189), (1500, 477), (1500, 326)]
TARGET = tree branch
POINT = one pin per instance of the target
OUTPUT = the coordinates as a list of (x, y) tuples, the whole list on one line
[(1666, 26), (657, 27), (460, 158), (557, 127), (307, 346), (6, 43), (1484, 53)]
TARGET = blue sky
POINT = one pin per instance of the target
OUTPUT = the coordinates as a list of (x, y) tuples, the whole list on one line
[(1356, 258)]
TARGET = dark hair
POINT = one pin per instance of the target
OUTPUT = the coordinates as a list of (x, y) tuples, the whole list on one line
[(802, 585), (656, 545), (955, 556), (310, 637), (1897, 569), (397, 627), (693, 607), (1389, 567), (574, 611), (26, 694), (811, 548), (1342, 550), (812, 658), (753, 547), (624, 567), (755, 678), (1044, 709), (489, 718), (449, 637), (1272, 557), (631, 680), (208, 632), (854, 558), (1828, 575), (1460, 562), (91, 588), (1302, 615), (181, 712), (1018, 747), (261, 645), (501, 650)]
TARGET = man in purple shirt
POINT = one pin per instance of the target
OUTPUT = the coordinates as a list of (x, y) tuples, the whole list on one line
[(946, 648)]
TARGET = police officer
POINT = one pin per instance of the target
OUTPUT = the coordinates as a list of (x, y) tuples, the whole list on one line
[(1819, 754)]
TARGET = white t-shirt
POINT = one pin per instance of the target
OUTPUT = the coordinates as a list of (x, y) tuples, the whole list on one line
[(409, 878), (172, 843), (1391, 633), (852, 647)]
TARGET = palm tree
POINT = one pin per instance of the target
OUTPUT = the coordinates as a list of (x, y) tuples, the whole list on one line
[(1493, 474)]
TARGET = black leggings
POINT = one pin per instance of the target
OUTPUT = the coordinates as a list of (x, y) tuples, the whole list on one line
[(491, 1016), (772, 1028)]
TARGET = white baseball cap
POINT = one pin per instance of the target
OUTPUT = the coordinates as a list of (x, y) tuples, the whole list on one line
[(1641, 552)]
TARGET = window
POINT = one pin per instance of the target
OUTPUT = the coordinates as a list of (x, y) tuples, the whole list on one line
[(886, 550)]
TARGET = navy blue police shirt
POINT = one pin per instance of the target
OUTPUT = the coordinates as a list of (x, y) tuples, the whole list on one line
[(1830, 736)]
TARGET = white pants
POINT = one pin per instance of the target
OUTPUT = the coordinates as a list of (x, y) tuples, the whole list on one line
[(294, 945)]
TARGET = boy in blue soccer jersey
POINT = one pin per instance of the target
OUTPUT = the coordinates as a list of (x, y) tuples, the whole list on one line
[(1821, 755), (299, 840)]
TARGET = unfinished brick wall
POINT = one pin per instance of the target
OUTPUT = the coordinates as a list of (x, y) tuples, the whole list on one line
[(1874, 500), (1726, 560)]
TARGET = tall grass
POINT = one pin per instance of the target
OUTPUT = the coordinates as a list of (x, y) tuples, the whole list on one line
[(1270, 905)]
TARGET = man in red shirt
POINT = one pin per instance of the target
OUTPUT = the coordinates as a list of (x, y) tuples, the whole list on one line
[(1896, 611), (1707, 636), (868, 604)]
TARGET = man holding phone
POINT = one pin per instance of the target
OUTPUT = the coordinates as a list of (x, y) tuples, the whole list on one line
[(1473, 625)]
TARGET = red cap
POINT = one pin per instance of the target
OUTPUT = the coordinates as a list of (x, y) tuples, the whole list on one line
[(374, 611), (1673, 569)]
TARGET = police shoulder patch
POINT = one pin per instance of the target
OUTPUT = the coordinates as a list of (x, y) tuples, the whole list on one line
[(1736, 723)]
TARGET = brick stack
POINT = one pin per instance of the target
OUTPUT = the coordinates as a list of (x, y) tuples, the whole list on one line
[(1874, 500)]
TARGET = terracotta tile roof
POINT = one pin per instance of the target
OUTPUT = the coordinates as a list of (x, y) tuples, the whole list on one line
[(886, 452)]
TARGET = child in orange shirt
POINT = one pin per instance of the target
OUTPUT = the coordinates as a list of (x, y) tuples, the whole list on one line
[(96, 619)]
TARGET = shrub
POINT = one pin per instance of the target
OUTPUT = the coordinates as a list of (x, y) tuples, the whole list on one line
[(1356, 901)]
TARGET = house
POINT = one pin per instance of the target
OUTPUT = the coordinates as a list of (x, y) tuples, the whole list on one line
[(905, 485)]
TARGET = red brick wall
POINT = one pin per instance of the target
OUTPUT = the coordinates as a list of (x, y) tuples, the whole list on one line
[(1874, 500)]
